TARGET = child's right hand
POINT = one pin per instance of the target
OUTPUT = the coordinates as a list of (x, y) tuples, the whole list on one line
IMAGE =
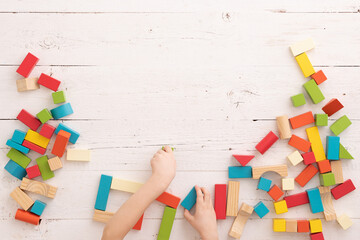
[(204, 219)]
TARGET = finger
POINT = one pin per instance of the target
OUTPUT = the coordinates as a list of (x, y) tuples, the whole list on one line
[(188, 216), (199, 194), (160, 151), (207, 195), (167, 149)]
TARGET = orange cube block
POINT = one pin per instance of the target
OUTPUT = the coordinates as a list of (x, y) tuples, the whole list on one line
[(303, 226), (302, 120), (308, 173), (61, 142), (324, 166), (319, 77), (275, 192), (299, 143)]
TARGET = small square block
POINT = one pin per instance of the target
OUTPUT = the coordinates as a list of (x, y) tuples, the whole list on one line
[(344, 221), (264, 184), (44, 115), (280, 207), (288, 184), (275, 192), (317, 236), (327, 179), (321, 119), (295, 158), (58, 97), (38, 207), (261, 210), (18, 136), (55, 163), (47, 130), (324, 166), (298, 100), (279, 225), (309, 158), (315, 226), (319, 77), (291, 225), (303, 226), (33, 171)]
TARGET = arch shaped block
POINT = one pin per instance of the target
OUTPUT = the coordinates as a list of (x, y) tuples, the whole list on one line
[(280, 169)]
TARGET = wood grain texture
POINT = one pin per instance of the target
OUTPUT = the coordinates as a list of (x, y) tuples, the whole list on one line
[(326, 198), (238, 225), (102, 216), (38, 187), (55, 163), (282, 170), (22, 198), (336, 169), (232, 202)]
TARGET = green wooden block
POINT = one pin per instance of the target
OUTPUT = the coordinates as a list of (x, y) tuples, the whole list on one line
[(314, 91), (44, 167), (344, 154), (327, 179), (58, 97), (44, 115), (340, 125), (18, 157), (298, 100), (166, 223), (321, 119)]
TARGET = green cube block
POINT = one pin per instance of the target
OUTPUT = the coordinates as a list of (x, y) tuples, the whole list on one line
[(44, 115), (321, 119), (298, 100), (344, 154), (58, 97), (18, 157), (44, 168), (314, 91), (340, 125), (327, 179), (166, 223)]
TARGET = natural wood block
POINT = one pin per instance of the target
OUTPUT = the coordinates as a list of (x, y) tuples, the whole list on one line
[(302, 46), (344, 221), (78, 155), (38, 187), (22, 198), (102, 216), (283, 126), (279, 169), (125, 185), (55, 163), (239, 223), (287, 184), (329, 211), (295, 158), (291, 225), (336, 169), (232, 198), (27, 84)]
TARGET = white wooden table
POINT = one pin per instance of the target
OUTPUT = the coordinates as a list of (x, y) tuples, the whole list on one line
[(208, 79)]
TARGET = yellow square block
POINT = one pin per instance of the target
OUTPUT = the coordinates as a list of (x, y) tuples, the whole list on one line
[(316, 144), (305, 64), (279, 225), (344, 221), (36, 138), (315, 226), (280, 207)]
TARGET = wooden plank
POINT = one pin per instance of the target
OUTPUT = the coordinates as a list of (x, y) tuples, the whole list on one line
[(82, 155), (238, 225), (329, 211), (232, 198), (279, 169), (336, 169), (22, 198), (38, 187)]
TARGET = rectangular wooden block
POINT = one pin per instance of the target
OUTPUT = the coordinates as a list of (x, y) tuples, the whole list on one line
[(44, 168), (232, 198), (279, 169), (332, 107), (55, 163), (302, 46), (18, 136), (336, 169), (316, 144), (242, 216), (306, 175), (314, 91), (332, 147), (266, 142), (125, 185), (305, 64), (220, 201), (103, 192), (296, 199), (240, 172), (344, 221), (38, 187), (190, 199), (60, 144), (291, 225), (29, 120), (17, 146), (283, 127), (27, 84), (49, 82), (15, 169), (36, 138), (169, 199), (74, 134), (315, 200), (343, 189), (34, 147), (18, 157), (82, 155), (22, 198), (47, 130), (299, 143), (27, 65), (329, 211), (340, 125), (166, 223), (62, 111), (302, 120), (104, 217)]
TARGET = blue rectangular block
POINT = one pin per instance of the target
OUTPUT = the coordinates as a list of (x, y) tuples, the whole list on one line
[(62, 111), (264, 184), (103, 192), (261, 210), (17, 146), (190, 200), (15, 169), (332, 147), (240, 172), (315, 200), (38, 207), (74, 134), (18, 136)]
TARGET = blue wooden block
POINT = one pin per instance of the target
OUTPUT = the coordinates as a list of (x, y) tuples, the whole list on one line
[(261, 210), (15, 169), (38, 207), (103, 192), (18, 136), (17, 146), (240, 172), (264, 184), (74, 134), (315, 200), (332, 147), (62, 111), (190, 200)]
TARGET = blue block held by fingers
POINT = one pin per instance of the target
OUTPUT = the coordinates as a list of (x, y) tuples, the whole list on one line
[(190, 200)]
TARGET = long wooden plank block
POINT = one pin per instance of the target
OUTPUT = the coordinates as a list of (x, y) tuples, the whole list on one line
[(329, 211), (280, 169), (38, 187), (232, 198), (22, 198), (238, 225)]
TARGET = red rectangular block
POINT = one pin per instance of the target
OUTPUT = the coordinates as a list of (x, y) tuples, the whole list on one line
[(139, 223), (27, 65), (266, 142), (306, 175), (243, 159), (169, 199), (299, 143), (302, 120), (34, 147), (220, 201), (47, 130), (332, 107), (309, 158), (296, 199), (317, 236), (33, 171), (60, 144), (343, 189), (29, 120), (49, 82), (319, 77)]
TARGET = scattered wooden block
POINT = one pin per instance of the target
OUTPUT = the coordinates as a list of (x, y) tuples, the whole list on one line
[(327, 179), (324, 166), (62, 111), (279, 225), (344, 154), (340, 125), (298, 100), (291, 225), (301, 47), (309, 158), (55, 163), (27, 65), (305, 64), (299, 143), (260, 209), (36, 138), (220, 201), (27, 84), (344, 221), (315, 200), (266, 142), (283, 126), (332, 107), (295, 158), (17, 146), (232, 198), (27, 217), (34, 147), (38, 207), (38, 187), (302, 120), (287, 184), (343, 189), (167, 223), (15, 169), (316, 144), (18, 136), (49, 82), (296, 199), (60, 144), (243, 159), (18, 157), (336, 169), (275, 192), (280, 207), (44, 115), (58, 97), (190, 199), (138, 224), (33, 171), (29, 120), (306, 175), (319, 77), (240, 172), (303, 226), (314, 91), (22, 198), (329, 211), (103, 192), (102, 216), (315, 226), (47, 130), (82, 155), (264, 184), (125, 185), (169, 199), (321, 119), (279, 169), (317, 236), (44, 168), (332, 147), (74, 134), (238, 225)]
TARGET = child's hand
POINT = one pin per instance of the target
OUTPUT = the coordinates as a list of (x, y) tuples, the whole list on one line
[(204, 219)]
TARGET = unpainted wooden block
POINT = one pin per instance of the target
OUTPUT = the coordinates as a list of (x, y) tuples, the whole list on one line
[(291, 225), (329, 211), (283, 127), (82, 155), (295, 158), (55, 163), (336, 169), (22, 198), (27, 84), (279, 169), (238, 225), (102, 216), (232, 198), (125, 185), (288, 184), (302, 46), (344, 221), (38, 187)]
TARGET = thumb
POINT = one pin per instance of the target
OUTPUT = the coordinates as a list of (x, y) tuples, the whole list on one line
[(188, 216)]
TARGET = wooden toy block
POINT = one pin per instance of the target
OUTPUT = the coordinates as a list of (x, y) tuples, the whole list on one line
[(260, 209), (47, 130), (103, 192), (138, 224), (49, 82), (316, 144), (279, 225), (280, 207), (305, 64), (232, 198), (17, 146), (275, 192), (317, 236), (309, 158), (38, 207), (314, 91), (303, 226), (332, 147), (324, 166), (125, 185), (333, 106), (15, 169), (266, 142), (344, 154), (27, 84), (29, 120), (283, 127), (102, 216), (60, 144), (27, 65), (82, 155), (344, 221), (34, 147), (302, 120), (306, 175), (336, 169), (301, 47), (55, 163), (166, 223), (340, 125), (190, 199), (44, 168), (299, 143), (327, 179), (62, 111), (238, 225), (18, 136), (243, 159), (27, 217), (18, 157), (33, 171), (264, 184), (220, 201), (315, 200), (44, 115), (74, 135), (295, 158), (291, 225), (279, 169), (240, 172), (343, 189), (298, 100), (321, 119), (58, 97), (38, 187), (287, 184), (169, 199), (315, 226), (329, 211), (22, 198), (296, 199), (36, 138), (319, 77)]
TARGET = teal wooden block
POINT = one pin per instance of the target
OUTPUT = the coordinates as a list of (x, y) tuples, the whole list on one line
[(17, 146), (332, 147), (298, 100), (103, 192), (44, 168), (190, 199), (327, 179), (38, 207), (74, 134), (264, 184), (58, 97), (44, 115), (240, 172), (18, 157), (167, 222), (340, 125), (18, 136), (62, 111), (261, 210), (15, 169), (315, 200), (321, 119), (314, 91)]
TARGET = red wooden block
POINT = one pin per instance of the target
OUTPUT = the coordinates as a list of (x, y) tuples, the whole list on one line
[(317, 236), (60, 144), (324, 166), (308, 173), (29, 120), (332, 107), (47, 130), (302, 120), (275, 192), (303, 226), (169, 199), (243, 159), (33, 171), (28, 217), (319, 77), (49, 82), (220, 201), (296, 199), (34, 147), (27, 65), (139, 223), (299, 143), (309, 158), (343, 189), (266, 142)]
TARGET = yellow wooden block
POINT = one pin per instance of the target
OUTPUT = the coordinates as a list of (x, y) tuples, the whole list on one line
[(279, 225), (125, 185), (280, 207), (315, 226), (316, 144), (344, 221), (78, 155), (22, 198), (305, 65), (36, 138)]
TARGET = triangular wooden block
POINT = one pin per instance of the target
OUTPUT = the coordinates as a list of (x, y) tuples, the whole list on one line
[(344, 154), (243, 159)]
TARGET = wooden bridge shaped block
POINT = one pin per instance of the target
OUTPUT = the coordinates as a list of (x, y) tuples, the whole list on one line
[(38, 187), (232, 198), (242, 216), (22, 198), (279, 169), (329, 211)]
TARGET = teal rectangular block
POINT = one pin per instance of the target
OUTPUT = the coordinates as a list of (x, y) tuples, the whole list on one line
[(167, 222), (314, 91), (74, 134), (17, 146), (315, 200), (340, 125), (62, 111), (18, 136), (332, 147), (190, 199), (103, 192), (18, 157), (240, 172), (38, 207), (15, 169)]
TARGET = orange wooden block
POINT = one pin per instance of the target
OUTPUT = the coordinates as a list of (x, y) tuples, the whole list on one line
[(169, 199), (308, 173), (319, 77), (303, 226), (139, 223), (299, 143), (61, 142), (27, 217), (324, 166), (302, 120), (275, 192)]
